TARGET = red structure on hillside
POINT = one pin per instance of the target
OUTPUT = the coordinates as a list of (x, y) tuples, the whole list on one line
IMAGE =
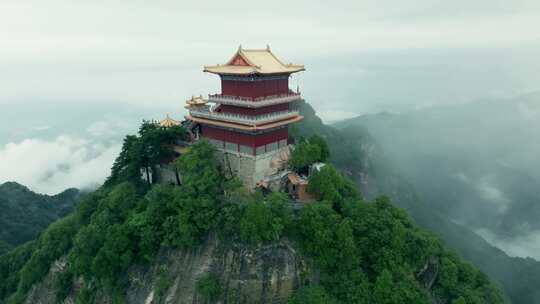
[(252, 113)]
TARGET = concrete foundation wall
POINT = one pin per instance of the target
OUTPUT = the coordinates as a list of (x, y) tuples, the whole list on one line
[(249, 169)]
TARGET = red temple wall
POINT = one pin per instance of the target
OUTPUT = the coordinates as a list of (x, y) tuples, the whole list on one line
[(254, 111), (244, 139), (254, 89)]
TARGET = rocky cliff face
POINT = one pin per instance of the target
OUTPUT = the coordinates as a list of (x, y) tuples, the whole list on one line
[(262, 274)]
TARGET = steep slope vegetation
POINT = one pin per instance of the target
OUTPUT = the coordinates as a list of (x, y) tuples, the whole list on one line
[(25, 213), (209, 240), (357, 153)]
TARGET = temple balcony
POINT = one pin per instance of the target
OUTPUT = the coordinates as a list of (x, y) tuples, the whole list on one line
[(249, 102), (207, 113)]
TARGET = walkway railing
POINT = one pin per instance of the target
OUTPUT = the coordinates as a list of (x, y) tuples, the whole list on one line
[(253, 102), (243, 119)]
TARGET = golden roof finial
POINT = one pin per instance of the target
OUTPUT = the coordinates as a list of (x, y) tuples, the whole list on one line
[(240, 47), (268, 47)]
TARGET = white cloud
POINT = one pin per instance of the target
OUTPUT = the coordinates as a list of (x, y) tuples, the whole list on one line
[(487, 190), (493, 195), (41, 128), (52, 166), (108, 129), (526, 245)]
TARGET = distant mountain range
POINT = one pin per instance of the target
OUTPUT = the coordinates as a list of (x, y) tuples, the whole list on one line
[(477, 163), (25, 213), (369, 159)]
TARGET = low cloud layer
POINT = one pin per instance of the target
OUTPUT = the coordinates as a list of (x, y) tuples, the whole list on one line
[(51, 147), (527, 245), (51, 166)]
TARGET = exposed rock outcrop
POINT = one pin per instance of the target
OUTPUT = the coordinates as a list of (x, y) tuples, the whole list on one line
[(259, 274)]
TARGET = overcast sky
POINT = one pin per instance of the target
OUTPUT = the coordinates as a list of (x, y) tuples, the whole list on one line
[(153, 51), (75, 76)]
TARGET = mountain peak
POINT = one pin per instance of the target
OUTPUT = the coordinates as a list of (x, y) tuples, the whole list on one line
[(12, 186)]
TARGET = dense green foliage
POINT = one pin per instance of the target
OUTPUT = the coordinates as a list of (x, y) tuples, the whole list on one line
[(363, 252), (10, 267), (369, 253), (28, 264), (312, 294), (144, 152), (209, 288), (25, 213), (330, 186), (307, 152)]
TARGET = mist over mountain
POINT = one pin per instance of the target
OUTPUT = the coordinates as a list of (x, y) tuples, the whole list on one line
[(51, 146), (476, 162), (359, 155)]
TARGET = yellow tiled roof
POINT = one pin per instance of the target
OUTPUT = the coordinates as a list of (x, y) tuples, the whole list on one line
[(259, 61), (196, 101), (169, 122)]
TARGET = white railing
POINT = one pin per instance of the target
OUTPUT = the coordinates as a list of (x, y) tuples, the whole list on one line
[(243, 119), (253, 102)]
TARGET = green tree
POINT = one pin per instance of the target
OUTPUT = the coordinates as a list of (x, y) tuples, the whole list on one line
[(63, 285), (200, 170), (153, 145), (127, 166), (114, 256), (209, 287), (303, 155), (327, 237), (383, 290), (459, 300), (329, 185), (11, 264), (311, 294), (157, 144), (147, 226), (448, 278), (307, 152), (197, 203), (324, 149), (265, 219)]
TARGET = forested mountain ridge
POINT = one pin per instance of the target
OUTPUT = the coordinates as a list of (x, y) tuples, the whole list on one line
[(360, 155), (25, 213), (210, 240)]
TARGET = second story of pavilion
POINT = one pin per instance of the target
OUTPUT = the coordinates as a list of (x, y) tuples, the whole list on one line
[(254, 75)]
